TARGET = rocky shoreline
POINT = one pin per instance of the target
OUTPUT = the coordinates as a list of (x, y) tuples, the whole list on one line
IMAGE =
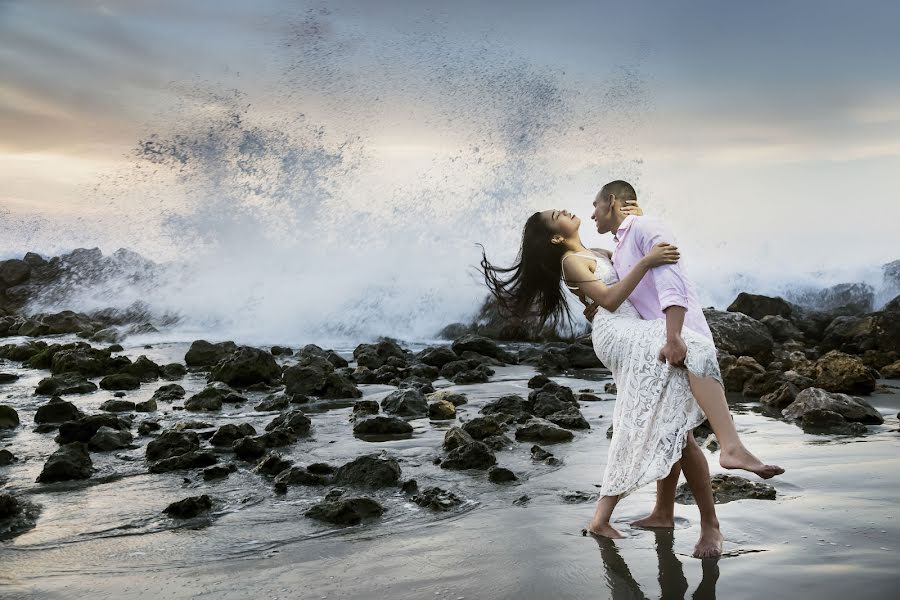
[(805, 366)]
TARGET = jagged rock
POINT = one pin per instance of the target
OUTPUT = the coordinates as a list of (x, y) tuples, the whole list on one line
[(86, 361), (437, 499), (249, 448), (293, 420), (843, 298), (538, 381), (143, 369), (781, 329), (820, 420), (345, 511), (8, 378), (299, 476), (437, 357), (169, 393), (405, 403), (84, 428), (147, 427), (6, 457), (190, 507), (481, 345), (782, 397), (218, 471), (740, 335), (454, 398), (172, 443), (146, 406), (195, 459), (65, 384), (727, 488), (9, 418), (363, 408), (569, 418), (473, 455), (204, 354), (183, 425), (172, 371), (482, 427), (210, 398), (588, 397), (108, 438), (273, 464), (441, 410), (849, 407), (69, 462), (758, 307), (246, 366), (370, 471), (498, 442), (610, 388), (277, 437), (839, 372), (116, 405), (229, 433), (272, 402), (763, 383), (456, 437), (512, 404), (540, 430), (377, 355), (501, 475), (582, 356), (315, 376), (891, 371)]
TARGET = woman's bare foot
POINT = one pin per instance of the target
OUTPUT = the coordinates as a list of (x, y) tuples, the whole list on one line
[(603, 530), (743, 459), (709, 545), (655, 520)]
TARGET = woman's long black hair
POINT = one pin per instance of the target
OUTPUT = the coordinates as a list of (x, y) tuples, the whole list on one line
[(534, 288)]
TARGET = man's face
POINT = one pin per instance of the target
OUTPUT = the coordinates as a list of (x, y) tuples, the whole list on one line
[(602, 214)]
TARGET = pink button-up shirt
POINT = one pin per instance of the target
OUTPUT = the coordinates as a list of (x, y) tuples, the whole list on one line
[(663, 286)]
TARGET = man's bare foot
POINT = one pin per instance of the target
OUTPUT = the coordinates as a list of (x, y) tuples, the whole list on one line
[(743, 459), (656, 521), (603, 530), (709, 545)]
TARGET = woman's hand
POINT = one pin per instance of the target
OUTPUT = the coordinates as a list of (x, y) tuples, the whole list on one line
[(662, 254), (630, 207)]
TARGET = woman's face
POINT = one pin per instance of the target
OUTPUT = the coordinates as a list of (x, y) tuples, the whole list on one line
[(561, 222)]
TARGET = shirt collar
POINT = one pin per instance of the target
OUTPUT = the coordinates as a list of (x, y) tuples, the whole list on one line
[(623, 228)]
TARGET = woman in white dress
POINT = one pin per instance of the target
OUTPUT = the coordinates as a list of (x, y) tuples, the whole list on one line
[(655, 410)]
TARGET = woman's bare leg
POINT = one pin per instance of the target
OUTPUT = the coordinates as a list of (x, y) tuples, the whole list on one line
[(696, 471), (663, 514), (600, 523), (733, 454)]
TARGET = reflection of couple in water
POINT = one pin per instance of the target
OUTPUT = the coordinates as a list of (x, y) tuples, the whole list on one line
[(648, 328)]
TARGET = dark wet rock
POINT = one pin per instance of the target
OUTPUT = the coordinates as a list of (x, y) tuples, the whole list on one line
[(108, 335), (169, 393), (146, 406), (781, 397), (538, 381), (456, 437), (218, 471), (299, 476), (561, 392), (115, 405), (84, 428), (522, 500), (727, 488), (249, 448), (281, 351), (437, 357), (65, 384), (273, 464), (781, 329), (473, 455), (819, 420), (86, 361), (195, 459), (8, 378), (362, 408), (582, 356), (511, 404), (143, 369), (13, 272), (204, 354), (190, 507), (320, 468), (272, 402), (544, 403), (540, 430), (148, 427), (735, 374), (454, 398), (22, 352), (277, 437), (246, 366), (107, 439), (315, 376), (891, 371), (405, 403), (588, 397), (849, 407), (481, 345), (9, 418), (569, 418), (538, 453), (764, 383), (172, 443), (740, 335), (610, 388), (6, 457), (293, 420), (424, 372), (480, 374), (210, 398), (437, 499), (345, 511), (172, 371), (482, 427), (71, 461), (501, 475), (377, 355), (187, 425), (577, 496), (228, 434), (370, 471), (843, 298), (498, 442), (758, 307), (441, 410), (839, 372), (9, 506)]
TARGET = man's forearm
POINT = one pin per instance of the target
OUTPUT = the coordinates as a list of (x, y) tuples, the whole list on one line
[(674, 321)]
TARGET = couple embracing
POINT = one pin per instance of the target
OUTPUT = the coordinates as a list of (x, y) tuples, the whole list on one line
[(649, 330)]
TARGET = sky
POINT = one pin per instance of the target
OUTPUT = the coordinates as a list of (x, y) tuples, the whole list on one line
[(766, 133)]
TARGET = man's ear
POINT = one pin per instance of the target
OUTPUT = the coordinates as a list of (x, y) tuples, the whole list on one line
[(557, 239)]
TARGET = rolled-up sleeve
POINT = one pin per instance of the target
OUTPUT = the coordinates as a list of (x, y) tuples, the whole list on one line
[(669, 279)]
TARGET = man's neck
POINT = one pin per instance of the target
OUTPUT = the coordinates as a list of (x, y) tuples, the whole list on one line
[(617, 221)]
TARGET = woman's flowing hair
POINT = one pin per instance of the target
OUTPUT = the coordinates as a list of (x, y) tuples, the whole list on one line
[(533, 287)]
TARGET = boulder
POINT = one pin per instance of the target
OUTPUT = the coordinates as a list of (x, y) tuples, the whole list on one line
[(569, 418), (316, 377), (8, 378), (299, 476), (482, 427), (820, 420), (172, 443), (278, 401), (370, 471), (294, 421), (782, 330), (345, 511), (454, 398), (108, 438), (736, 374), (228, 434), (6, 457), (146, 406), (9, 418), (86, 361), (839, 372), (758, 307), (850, 407), (116, 405), (249, 448), (362, 408), (405, 403), (541, 430), (437, 357), (437, 499), (195, 459), (382, 426), (210, 398), (481, 345), (474, 455), (71, 461), (169, 393), (501, 475), (65, 384), (511, 404), (273, 464), (204, 354), (190, 507), (441, 410), (538, 381), (456, 437), (782, 397), (891, 371), (84, 428), (740, 335), (172, 371), (728, 488), (246, 366)]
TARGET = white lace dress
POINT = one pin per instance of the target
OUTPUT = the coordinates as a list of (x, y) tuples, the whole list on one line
[(655, 409)]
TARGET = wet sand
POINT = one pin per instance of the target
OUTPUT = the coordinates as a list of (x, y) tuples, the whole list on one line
[(833, 532)]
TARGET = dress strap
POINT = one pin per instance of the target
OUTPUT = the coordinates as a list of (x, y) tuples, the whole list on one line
[(563, 260)]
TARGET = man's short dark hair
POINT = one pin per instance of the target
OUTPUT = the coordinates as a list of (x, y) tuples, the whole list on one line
[(620, 189)]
